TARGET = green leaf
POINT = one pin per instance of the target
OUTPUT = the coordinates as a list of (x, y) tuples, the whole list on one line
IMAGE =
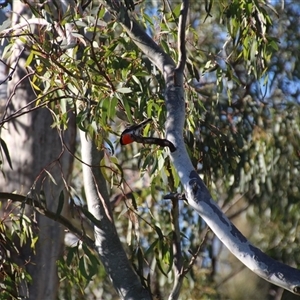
[(140, 258), (94, 265), (176, 10), (274, 45), (29, 59), (105, 105), (70, 255), (161, 162), (82, 268), (91, 217), (33, 242), (151, 248), (124, 90), (165, 46), (112, 108), (160, 267), (114, 160), (51, 177), (5, 149), (134, 204), (159, 232), (7, 52), (127, 109), (106, 175), (61, 201)]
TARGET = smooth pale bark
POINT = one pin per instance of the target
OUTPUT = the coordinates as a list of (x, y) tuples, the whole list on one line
[(107, 242), (196, 192), (35, 146)]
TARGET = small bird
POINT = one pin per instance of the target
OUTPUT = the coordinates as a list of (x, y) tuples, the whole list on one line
[(127, 136)]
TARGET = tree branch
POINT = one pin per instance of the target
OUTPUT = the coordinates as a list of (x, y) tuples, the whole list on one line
[(163, 61), (195, 190), (37, 205), (115, 261), (178, 260), (200, 199), (257, 261)]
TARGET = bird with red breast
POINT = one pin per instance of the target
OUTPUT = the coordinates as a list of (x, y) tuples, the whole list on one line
[(127, 136)]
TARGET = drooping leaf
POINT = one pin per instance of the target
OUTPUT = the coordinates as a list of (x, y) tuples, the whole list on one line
[(61, 201), (6, 152)]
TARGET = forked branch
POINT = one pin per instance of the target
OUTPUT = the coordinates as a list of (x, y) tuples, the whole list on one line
[(196, 192)]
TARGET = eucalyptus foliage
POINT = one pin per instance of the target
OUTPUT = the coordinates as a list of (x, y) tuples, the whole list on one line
[(242, 128)]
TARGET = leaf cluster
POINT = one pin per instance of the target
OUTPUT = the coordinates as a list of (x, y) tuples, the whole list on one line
[(15, 231), (238, 141)]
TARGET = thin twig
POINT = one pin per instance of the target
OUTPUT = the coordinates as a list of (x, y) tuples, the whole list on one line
[(19, 112), (230, 275), (12, 94), (9, 76), (177, 252), (195, 254)]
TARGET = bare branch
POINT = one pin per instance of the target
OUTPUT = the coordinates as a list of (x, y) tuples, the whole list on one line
[(11, 96), (195, 254), (231, 275), (200, 199), (19, 112)]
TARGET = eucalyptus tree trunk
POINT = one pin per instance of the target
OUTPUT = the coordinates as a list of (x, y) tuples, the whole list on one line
[(196, 192), (35, 147), (107, 242)]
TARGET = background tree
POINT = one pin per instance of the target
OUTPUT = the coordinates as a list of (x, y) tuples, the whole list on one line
[(32, 162), (85, 64)]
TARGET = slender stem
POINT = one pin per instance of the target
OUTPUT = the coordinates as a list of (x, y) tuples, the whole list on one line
[(178, 259)]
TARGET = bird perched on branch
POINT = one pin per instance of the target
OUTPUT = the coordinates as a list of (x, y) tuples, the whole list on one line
[(134, 134), (130, 134)]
